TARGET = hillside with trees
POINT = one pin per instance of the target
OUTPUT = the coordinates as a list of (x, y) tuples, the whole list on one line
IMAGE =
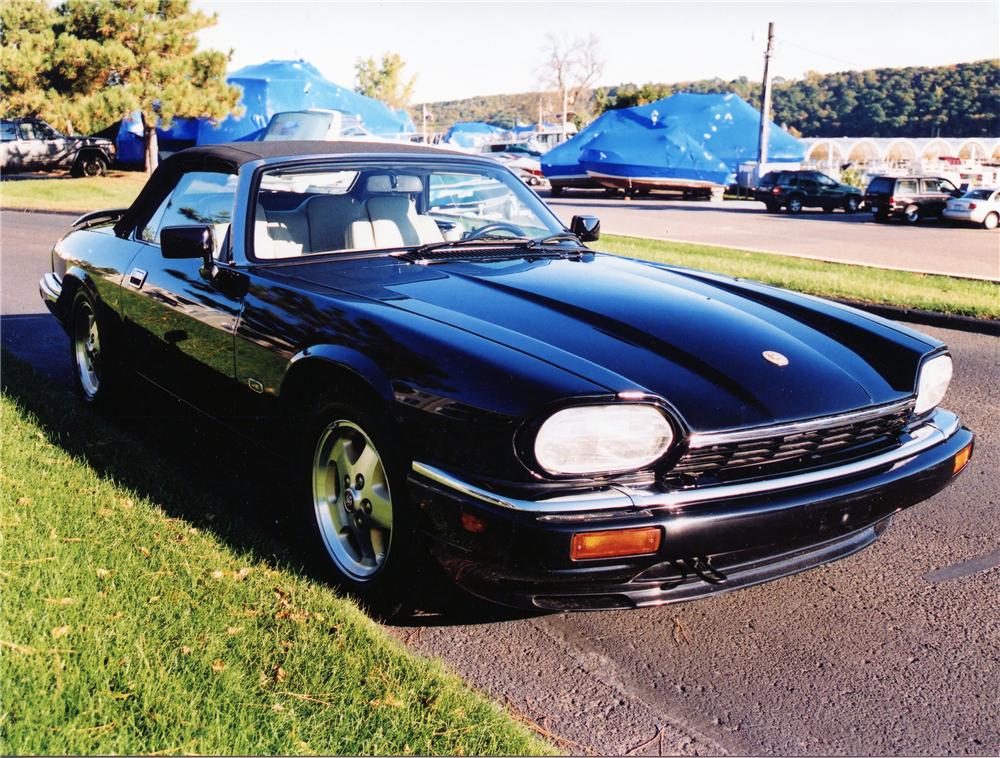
[(959, 100)]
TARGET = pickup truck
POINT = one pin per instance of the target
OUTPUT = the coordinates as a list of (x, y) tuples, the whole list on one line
[(30, 144)]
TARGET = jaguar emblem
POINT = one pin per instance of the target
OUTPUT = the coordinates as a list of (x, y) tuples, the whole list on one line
[(774, 357)]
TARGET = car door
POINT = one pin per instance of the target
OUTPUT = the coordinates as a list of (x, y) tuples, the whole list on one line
[(179, 313), (809, 187), (830, 195), (10, 157), (935, 195), (31, 147)]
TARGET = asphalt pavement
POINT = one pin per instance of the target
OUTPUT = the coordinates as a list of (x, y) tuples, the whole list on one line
[(893, 651), (930, 247)]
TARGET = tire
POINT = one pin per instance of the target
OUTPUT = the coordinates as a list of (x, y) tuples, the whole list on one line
[(851, 204), (97, 378), (362, 537), (912, 215), (881, 217), (828, 209), (992, 221), (772, 207), (794, 204), (90, 164), (555, 190)]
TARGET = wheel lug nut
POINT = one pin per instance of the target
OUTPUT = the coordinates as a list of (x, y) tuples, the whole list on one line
[(347, 481), (359, 482), (366, 505), (349, 501), (359, 521)]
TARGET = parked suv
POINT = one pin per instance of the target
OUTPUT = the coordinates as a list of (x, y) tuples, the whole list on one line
[(910, 198), (796, 190), (29, 144)]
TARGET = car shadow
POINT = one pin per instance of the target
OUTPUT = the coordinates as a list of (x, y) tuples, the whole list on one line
[(191, 467)]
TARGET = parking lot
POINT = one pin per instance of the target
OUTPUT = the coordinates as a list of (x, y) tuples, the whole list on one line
[(929, 247)]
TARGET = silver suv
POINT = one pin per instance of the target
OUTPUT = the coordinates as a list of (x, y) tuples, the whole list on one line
[(29, 144)]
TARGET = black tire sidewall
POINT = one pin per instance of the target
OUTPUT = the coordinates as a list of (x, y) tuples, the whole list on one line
[(391, 592)]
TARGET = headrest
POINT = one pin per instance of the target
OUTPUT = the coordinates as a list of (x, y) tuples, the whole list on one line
[(386, 183)]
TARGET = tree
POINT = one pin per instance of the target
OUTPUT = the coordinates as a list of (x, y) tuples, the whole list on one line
[(112, 59), (27, 40), (384, 80), (571, 67)]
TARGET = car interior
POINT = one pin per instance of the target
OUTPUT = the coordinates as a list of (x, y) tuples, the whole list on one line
[(378, 210)]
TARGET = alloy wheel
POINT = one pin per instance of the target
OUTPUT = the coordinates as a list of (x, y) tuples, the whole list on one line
[(87, 349), (352, 501)]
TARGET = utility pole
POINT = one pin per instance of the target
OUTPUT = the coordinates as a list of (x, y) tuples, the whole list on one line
[(765, 102)]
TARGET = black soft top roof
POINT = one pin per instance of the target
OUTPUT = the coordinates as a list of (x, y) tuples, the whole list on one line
[(228, 157), (238, 153)]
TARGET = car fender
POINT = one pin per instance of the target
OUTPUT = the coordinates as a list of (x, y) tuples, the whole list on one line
[(358, 365)]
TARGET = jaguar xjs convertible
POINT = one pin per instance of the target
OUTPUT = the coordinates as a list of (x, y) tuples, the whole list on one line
[(455, 380)]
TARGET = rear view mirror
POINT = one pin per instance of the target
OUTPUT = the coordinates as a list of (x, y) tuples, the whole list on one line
[(187, 242), (586, 228)]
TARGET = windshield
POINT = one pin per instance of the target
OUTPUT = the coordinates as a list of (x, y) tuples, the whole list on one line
[(333, 208)]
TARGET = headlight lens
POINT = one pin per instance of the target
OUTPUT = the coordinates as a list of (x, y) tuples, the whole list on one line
[(602, 438), (935, 375)]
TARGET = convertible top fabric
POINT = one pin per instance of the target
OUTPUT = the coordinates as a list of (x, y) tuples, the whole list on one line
[(229, 157), (685, 137)]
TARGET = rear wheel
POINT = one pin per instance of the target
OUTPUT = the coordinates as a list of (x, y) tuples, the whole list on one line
[(96, 377), (912, 214), (354, 513), (794, 204), (555, 190), (772, 207), (992, 221)]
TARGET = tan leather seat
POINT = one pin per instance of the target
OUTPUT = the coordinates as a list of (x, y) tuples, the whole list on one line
[(329, 218), (393, 221), (280, 234)]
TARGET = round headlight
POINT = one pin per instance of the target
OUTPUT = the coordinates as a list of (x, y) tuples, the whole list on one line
[(602, 438), (935, 376)]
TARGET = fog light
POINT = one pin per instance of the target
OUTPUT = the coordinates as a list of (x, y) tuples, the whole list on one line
[(615, 544), (962, 459)]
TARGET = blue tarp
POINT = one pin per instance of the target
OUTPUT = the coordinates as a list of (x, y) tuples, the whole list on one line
[(268, 88), (682, 138), (474, 133)]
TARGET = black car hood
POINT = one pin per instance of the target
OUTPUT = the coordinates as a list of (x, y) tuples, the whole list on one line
[(696, 340)]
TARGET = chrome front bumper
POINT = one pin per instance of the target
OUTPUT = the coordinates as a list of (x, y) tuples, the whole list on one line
[(50, 287), (938, 428)]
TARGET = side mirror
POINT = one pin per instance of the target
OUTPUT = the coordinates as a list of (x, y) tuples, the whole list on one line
[(187, 242), (586, 228)]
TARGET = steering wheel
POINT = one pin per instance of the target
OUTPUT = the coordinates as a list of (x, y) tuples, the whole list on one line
[(499, 226)]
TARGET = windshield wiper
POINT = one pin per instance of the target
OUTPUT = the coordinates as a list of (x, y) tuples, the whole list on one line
[(486, 238), (553, 238)]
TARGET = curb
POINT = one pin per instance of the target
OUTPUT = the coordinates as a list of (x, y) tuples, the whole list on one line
[(986, 326)]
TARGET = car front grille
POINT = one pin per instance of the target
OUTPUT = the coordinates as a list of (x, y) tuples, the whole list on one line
[(770, 451)]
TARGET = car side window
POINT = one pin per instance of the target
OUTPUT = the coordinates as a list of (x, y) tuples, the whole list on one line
[(932, 185), (200, 197), (7, 131), (825, 180), (906, 186), (27, 130)]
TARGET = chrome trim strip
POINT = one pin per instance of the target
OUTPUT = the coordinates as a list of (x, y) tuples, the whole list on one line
[(708, 439), (938, 428), (50, 287)]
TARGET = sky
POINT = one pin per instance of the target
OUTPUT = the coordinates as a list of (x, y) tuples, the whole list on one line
[(461, 49)]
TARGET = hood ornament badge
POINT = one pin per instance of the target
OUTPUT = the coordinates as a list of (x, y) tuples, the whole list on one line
[(774, 357)]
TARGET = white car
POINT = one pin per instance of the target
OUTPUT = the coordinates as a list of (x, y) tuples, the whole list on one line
[(977, 206)]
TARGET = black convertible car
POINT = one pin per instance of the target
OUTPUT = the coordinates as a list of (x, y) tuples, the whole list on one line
[(450, 373)]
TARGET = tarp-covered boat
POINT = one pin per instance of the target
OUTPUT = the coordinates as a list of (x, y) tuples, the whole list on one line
[(684, 142)]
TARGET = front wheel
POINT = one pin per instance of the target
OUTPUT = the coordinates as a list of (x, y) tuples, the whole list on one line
[(991, 221), (851, 205), (356, 516), (90, 165)]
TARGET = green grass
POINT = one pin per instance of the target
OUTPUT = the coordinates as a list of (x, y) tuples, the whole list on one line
[(142, 615), (64, 193), (943, 294)]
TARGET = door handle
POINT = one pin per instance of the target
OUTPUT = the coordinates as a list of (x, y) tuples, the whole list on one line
[(137, 277)]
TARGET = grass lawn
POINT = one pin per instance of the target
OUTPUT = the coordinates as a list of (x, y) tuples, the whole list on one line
[(64, 193), (942, 294), (141, 615), (863, 284)]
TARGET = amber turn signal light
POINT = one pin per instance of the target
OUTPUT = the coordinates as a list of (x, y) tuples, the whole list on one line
[(615, 543), (962, 459)]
